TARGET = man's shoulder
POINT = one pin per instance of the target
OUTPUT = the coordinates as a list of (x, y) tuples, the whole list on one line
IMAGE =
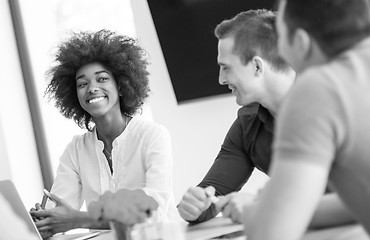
[(249, 110)]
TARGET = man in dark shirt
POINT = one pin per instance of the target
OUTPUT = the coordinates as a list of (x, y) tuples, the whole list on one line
[(259, 78), (247, 146)]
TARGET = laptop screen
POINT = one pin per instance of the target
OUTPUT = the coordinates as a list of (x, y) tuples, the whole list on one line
[(10, 193)]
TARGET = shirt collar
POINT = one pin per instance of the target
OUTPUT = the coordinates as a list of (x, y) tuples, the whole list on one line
[(265, 116)]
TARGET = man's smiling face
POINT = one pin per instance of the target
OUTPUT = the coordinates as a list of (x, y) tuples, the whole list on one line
[(240, 78)]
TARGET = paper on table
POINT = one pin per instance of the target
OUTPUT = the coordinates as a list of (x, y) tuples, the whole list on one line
[(214, 227)]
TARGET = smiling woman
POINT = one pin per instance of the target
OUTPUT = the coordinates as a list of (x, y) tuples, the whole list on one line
[(100, 81), (53, 20)]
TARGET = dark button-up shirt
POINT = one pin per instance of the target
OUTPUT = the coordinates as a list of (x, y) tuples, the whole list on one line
[(247, 146)]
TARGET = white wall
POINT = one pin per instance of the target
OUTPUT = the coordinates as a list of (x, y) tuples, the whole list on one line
[(18, 157), (5, 170)]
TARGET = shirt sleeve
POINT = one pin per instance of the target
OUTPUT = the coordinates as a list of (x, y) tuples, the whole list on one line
[(67, 183), (158, 160), (309, 128), (230, 170), (309, 125)]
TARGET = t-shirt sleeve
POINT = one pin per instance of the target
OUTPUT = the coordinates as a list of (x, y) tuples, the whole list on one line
[(308, 123)]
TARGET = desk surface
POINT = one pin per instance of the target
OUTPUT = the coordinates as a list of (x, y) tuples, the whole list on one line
[(215, 227), (347, 232), (220, 228)]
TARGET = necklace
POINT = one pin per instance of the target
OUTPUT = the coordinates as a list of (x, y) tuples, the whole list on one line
[(108, 154)]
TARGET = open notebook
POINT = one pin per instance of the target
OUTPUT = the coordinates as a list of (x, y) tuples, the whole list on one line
[(10, 193)]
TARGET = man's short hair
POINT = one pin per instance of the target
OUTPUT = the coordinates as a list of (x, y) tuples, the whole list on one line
[(254, 34), (336, 25)]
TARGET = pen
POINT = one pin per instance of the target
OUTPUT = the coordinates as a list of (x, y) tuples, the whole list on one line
[(43, 202), (213, 198), (45, 198)]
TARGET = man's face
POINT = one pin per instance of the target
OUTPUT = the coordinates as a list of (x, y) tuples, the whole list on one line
[(285, 44), (240, 78)]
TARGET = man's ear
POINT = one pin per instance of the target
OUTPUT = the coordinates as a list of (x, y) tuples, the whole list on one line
[(302, 43), (258, 65)]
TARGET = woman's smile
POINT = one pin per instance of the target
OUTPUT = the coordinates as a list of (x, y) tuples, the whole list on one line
[(95, 99)]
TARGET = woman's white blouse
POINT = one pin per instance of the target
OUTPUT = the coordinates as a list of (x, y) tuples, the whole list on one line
[(141, 158)]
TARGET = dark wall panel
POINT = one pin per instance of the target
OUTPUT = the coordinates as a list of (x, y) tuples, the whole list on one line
[(185, 30)]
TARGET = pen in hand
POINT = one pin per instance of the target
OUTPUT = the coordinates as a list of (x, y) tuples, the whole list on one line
[(40, 207), (220, 204), (45, 198), (212, 198)]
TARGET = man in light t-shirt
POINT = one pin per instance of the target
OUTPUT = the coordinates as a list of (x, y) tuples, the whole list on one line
[(323, 126)]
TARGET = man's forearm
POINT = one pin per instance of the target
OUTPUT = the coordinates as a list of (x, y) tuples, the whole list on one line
[(330, 212), (84, 220)]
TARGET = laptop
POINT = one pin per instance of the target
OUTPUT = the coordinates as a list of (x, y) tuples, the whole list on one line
[(10, 193)]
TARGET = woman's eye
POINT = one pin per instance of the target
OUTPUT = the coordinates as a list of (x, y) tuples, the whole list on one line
[(102, 79), (80, 85)]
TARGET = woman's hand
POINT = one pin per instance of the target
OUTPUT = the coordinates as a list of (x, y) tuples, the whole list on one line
[(36, 208), (59, 219)]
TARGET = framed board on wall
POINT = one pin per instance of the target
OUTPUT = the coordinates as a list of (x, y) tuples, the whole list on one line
[(185, 29)]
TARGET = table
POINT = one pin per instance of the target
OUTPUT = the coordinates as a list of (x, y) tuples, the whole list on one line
[(346, 232), (215, 227), (223, 228)]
